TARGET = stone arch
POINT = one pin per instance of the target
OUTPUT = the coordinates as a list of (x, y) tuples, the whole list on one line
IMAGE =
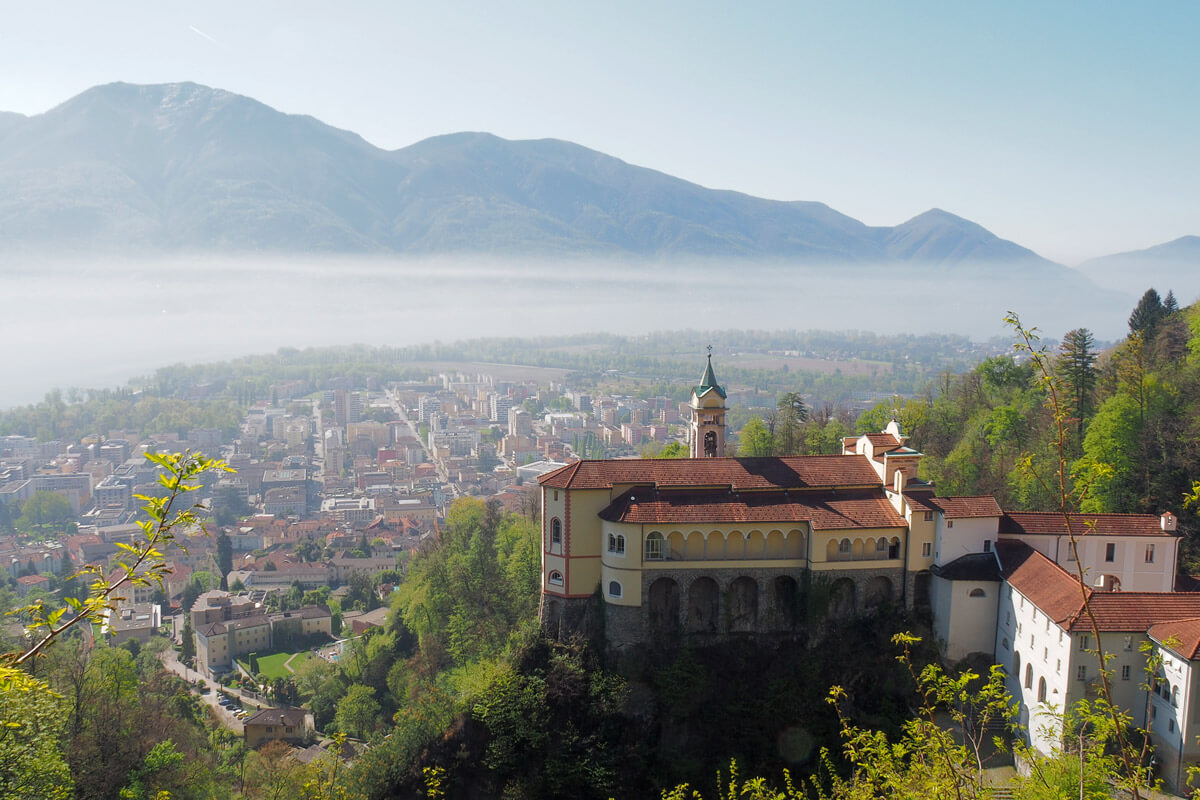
[(879, 548), (774, 545), (843, 600), (675, 545), (878, 592), (743, 605), (785, 602), (735, 546), (693, 546), (894, 547), (704, 606), (856, 549), (756, 545), (714, 545), (793, 544), (663, 602), (922, 582)]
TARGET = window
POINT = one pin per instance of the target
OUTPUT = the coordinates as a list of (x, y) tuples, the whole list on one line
[(844, 548), (1058, 666), (1004, 642), (949, 523), (1149, 554), (614, 589), (987, 545), (1041, 690), (556, 578), (977, 593), (556, 532), (1175, 696), (1016, 664), (556, 494), (1085, 642), (654, 546), (1029, 676), (881, 545), (929, 516), (1008, 618), (1171, 725), (1128, 642), (616, 544), (1045, 654), (927, 549), (1110, 552), (1081, 673), (1125, 672)]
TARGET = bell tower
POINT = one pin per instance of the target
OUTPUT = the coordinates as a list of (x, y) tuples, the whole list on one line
[(706, 435)]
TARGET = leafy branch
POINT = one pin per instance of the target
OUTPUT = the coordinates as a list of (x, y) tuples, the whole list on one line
[(143, 562)]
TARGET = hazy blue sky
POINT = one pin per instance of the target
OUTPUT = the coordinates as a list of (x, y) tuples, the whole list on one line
[(1071, 128)]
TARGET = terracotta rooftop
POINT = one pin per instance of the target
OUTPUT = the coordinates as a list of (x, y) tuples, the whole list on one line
[(1045, 583), (882, 439), (791, 472), (964, 507), (1137, 611), (1184, 632), (822, 510), (1051, 523), (1056, 592)]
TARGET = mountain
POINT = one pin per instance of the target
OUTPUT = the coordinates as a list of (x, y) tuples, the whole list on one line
[(182, 167), (1172, 265)]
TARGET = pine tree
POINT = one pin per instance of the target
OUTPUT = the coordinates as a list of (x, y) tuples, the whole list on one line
[(1148, 315), (1077, 368)]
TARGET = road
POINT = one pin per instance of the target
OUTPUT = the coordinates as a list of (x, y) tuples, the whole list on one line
[(170, 661)]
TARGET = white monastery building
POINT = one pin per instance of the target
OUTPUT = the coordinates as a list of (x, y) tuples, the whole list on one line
[(711, 547)]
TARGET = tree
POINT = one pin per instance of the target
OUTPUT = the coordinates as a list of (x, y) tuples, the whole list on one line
[(1076, 365), (755, 440), (793, 412), (32, 724), (224, 557), (1147, 315), (188, 652), (358, 711), (45, 510)]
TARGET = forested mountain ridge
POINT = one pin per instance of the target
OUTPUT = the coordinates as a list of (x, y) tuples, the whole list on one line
[(179, 166), (1130, 433)]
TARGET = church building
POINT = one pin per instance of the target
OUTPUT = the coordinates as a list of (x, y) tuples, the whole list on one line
[(711, 547)]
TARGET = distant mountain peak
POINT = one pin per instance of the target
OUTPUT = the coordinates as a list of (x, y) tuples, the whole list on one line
[(181, 166)]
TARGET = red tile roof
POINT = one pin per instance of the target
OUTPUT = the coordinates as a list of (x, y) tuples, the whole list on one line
[(882, 439), (1057, 593), (1185, 634), (964, 507), (1051, 523), (1137, 611), (1041, 580), (823, 510), (793, 472)]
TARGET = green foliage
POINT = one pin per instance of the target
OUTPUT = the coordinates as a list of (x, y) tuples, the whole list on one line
[(32, 725), (44, 511)]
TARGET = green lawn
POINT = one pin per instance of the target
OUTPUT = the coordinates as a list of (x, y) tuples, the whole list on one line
[(272, 665)]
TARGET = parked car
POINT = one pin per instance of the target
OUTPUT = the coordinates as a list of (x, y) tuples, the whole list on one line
[(225, 700)]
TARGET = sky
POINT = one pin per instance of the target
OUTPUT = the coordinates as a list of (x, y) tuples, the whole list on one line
[(1069, 128)]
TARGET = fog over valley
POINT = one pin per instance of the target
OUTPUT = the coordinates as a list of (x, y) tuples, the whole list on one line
[(97, 322)]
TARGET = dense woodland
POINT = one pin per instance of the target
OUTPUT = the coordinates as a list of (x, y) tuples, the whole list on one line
[(460, 695)]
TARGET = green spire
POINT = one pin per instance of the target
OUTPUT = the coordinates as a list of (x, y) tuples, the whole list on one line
[(708, 381)]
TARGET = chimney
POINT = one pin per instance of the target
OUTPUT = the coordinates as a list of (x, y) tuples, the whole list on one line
[(1169, 521)]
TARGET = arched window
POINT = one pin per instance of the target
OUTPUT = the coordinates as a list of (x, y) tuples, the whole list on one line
[(1029, 676), (614, 589), (976, 593), (881, 545), (844, 548), (1041, 690), (616, 544), (1016, 664), (556, 531), (654, 546), (556, 578), (1175, 696)]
